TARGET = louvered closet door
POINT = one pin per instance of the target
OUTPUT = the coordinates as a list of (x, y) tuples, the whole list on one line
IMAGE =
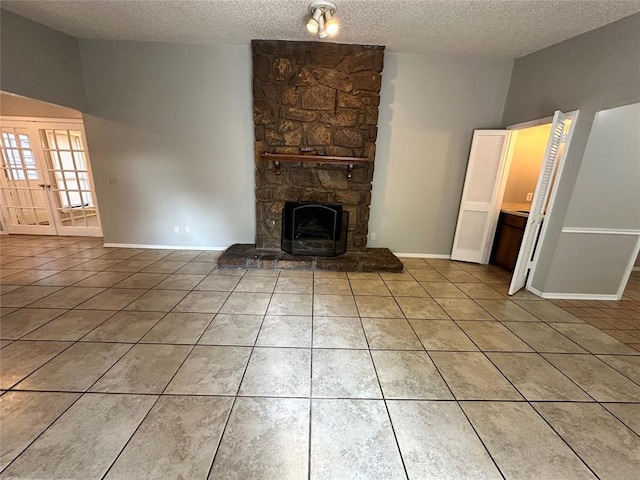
[(479, 207), (552, 157)]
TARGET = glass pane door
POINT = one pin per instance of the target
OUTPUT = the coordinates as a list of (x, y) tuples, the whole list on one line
[(73, 195), (23, 196)]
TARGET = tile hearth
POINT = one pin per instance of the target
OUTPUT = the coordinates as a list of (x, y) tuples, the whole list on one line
[(131, 363), (245, 255)]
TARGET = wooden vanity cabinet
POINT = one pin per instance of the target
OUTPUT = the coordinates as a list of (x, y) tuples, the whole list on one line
[(506, 244)]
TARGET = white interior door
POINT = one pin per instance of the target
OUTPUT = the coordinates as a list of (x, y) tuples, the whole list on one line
[(23, 195), (553, 155), (46, 184), (480, 204)]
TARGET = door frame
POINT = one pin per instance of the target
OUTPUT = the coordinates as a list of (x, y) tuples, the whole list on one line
[(542, 236), (42, 123)]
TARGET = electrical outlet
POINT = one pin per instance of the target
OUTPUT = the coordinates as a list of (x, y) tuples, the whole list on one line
[(372, 236), (176, 229), (529, 196), (187, 229)]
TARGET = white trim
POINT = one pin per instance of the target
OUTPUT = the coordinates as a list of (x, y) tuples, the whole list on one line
[(627, 272), (531, 123), (10, 119), (542, 236), (580, 296), (423, 255), (533, 290), (635, 269), (163, 247), (573, 296), (602, 231)]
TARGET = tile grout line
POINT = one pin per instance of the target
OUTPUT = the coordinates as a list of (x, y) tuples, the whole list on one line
[(386, 407), (455, 399), (159, 395), (309, 452), (81, 394), (237, 394), (369, 349), (529, 403)]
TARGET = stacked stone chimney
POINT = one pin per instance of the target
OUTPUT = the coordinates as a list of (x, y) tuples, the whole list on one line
[(317, 99)]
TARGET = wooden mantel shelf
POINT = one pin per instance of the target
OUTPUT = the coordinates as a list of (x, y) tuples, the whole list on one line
[(281, 157)]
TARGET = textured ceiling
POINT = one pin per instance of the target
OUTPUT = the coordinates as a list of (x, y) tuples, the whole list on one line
[(478, 28)]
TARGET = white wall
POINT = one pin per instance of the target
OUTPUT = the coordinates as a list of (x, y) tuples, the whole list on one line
[(173, 125), (429, 107), (17, 106)]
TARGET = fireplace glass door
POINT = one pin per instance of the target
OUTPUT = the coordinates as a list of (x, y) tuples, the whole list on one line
[(314, 229)]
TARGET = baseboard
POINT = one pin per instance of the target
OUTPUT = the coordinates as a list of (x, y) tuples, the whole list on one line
[(635, 269), (580, 296), (162, 247), (534, 291), (422, 255)]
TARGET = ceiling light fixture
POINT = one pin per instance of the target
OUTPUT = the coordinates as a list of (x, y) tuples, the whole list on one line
[(322, 20)]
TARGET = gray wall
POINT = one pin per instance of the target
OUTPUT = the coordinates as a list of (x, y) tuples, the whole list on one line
[(150, 104), (172, 125), (429, 107), (606, 197), (594, 71), (607, 191), (39, 62)]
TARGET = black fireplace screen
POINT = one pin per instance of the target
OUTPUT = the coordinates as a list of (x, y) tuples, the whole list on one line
[(314, 229)]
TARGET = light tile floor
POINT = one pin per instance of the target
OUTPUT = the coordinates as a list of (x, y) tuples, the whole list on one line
[(130, 363)]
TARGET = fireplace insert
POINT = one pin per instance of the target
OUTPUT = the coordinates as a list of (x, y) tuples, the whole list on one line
[(314, 229)]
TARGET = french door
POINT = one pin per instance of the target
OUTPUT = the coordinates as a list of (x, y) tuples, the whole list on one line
[(46, 186)]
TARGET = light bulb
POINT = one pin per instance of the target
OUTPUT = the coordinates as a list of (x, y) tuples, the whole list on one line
[(313, 24), (331, 24)]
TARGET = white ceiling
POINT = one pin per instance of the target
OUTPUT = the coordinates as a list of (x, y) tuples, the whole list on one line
[(477, 28)]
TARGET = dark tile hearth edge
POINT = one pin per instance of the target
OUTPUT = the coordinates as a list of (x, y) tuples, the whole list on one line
[(368, 260)]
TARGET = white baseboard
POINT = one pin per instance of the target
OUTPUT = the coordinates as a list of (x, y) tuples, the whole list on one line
[(635, 269), (422, 255), (575, 296), (534, 291), (162, 247)]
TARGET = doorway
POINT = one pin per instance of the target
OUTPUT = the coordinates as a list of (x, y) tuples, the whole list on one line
[(511, 172), (46, 185)]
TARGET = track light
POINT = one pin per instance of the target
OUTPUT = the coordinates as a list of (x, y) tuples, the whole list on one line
[(313, 25), (330, 23), (322, 19)]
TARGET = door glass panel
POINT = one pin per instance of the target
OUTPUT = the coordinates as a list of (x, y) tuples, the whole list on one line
[(74, 197), (22, 190)]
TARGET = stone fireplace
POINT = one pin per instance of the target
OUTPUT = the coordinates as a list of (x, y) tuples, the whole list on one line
[(315, 111), (314, 99)]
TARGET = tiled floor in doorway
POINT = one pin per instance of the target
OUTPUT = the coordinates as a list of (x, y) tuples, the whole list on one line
[(126, 363)]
